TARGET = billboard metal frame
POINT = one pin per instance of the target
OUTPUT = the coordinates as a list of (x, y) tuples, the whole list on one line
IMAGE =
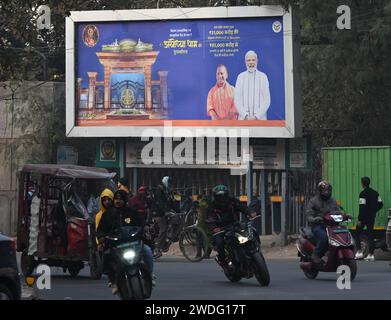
[(293, 117)]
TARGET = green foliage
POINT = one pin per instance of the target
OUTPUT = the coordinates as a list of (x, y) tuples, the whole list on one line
[(345, 77)]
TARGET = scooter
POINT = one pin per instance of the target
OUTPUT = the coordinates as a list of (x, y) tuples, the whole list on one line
[(340, 250)]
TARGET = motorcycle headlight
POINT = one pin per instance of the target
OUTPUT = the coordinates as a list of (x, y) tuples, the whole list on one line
[(334, 243), (242, 239), (129, 255)]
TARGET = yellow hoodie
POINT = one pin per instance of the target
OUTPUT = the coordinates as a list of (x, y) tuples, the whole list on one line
[(105, 193)]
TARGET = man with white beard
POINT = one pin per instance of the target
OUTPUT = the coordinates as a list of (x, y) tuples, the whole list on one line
[(252, 94)]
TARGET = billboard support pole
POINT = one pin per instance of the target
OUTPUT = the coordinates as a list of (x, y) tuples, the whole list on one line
[(249, 178), (262, 188), (249, 182), (283, 209), (135, 178), (121, 146)]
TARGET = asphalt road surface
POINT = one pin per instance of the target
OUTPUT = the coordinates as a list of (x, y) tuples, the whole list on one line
[(179, 279)]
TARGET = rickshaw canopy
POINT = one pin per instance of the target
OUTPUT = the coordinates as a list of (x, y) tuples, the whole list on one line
[(69, 171)]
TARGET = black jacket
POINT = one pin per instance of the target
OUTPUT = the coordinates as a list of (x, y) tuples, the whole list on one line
[(114, 218), (163, 201), (370, 203), (221, 217), (317, 207)]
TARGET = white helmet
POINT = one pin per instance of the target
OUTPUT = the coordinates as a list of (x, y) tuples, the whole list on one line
[(166, 181)]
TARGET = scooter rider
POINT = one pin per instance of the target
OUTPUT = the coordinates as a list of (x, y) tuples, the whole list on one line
[(222, 212), (316, 209), (113, 219)]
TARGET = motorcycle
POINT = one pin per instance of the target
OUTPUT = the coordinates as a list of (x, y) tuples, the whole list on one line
[(133, 280), (243, 252), (340, 250)]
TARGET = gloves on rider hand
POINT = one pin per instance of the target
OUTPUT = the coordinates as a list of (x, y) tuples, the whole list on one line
[(101, 244), (349, 217)]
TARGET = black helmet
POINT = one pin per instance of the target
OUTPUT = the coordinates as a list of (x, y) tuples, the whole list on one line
[(221, 194), (325, 190)]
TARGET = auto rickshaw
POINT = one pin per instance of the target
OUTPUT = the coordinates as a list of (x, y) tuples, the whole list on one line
[(56, 216)]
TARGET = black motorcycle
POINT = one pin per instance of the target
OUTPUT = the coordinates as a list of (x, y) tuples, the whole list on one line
[(243, 251), (133, 280)]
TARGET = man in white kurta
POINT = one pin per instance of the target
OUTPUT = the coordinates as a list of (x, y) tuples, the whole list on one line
[(252, 94)]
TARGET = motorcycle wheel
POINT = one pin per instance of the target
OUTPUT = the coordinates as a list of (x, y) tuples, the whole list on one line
[(124, 289), (233, 276), (311, 274), (261, 272), (352, 264), (137, 288)]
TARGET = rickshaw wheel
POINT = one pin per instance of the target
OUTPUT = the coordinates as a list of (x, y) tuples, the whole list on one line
[(27, 263)]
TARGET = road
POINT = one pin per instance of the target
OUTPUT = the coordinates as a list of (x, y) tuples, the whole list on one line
[(180, 279)]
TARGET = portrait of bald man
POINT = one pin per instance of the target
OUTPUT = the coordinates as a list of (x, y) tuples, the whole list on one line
[(252, 93), (220, 103)]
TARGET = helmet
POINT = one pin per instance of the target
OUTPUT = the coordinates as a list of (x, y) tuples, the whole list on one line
[(221, 194), (167, 181), (325, 189)]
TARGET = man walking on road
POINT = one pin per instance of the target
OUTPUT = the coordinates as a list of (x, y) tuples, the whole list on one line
[(370, 204)]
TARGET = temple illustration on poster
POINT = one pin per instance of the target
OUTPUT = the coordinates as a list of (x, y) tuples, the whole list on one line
[(128, 91)]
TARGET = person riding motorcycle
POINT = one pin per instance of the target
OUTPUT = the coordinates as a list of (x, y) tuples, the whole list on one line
[(223, 212), (112, 220), (142, 203), (317, 208), (164, 202)]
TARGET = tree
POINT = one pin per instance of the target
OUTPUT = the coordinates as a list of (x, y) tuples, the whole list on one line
[(345, 79)]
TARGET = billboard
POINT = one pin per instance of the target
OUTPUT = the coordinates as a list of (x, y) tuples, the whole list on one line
[(191, 69)]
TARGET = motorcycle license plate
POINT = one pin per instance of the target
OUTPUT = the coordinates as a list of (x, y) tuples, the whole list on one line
[(341, 231)]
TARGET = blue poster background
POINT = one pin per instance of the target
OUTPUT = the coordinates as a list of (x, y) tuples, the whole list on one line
[(190, 76)]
